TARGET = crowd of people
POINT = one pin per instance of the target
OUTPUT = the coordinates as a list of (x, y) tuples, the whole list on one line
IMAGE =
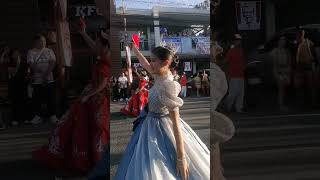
[(79, 140), (135, 94), (294, 66), (139, 93), (30, 78)]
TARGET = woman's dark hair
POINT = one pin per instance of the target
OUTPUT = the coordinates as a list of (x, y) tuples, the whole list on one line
[(38, 37), (104, 42), (165, 53)]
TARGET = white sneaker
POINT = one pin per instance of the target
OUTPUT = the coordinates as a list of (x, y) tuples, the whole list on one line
[(14, 123), (26, 122), (36, 120), (54, 119), (121, 100)]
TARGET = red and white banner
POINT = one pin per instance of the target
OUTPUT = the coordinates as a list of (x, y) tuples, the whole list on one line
[(128, 56), (202, 44), (65, 43), (248, 15), (63, 8)]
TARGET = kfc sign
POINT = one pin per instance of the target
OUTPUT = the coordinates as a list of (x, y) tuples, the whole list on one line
[(85, 10)]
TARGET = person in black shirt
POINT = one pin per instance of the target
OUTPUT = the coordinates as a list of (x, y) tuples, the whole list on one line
[(18, 83)]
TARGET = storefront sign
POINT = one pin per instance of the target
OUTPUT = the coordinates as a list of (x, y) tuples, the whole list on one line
[(84, 10), (89, 12), (187, 66), (248, 15)]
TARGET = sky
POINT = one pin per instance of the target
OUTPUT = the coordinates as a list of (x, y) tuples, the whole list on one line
[(148, 4)]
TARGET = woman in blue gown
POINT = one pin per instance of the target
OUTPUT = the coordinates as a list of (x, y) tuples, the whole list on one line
[(163, 146)]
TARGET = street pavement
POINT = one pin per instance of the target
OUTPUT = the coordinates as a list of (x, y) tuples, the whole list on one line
[(195, 112), (273, 147), (16, 145)]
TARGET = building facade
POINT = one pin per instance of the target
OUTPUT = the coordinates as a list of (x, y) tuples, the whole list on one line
[(152, 23), (274, 15)]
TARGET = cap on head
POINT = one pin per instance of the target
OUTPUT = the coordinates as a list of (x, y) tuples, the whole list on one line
[(237, 37), (283, 37)]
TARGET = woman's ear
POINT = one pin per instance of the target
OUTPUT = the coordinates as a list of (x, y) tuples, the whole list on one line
[(166, 62)]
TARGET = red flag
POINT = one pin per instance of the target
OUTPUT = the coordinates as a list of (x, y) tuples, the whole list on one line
[(82, 23), (136, 40)]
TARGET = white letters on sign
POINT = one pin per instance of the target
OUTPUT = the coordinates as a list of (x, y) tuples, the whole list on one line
[(86, 10)]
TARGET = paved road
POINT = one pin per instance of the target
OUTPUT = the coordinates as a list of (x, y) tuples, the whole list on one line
[(16, 145), (195, 112), (278, 147)]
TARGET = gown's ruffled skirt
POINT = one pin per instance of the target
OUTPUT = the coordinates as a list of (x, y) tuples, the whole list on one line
[(151, 152)]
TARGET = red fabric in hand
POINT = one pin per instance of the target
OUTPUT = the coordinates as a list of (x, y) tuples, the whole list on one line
[(136, 40)]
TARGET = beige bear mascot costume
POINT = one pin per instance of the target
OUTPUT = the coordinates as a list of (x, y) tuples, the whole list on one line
[(222, 128)]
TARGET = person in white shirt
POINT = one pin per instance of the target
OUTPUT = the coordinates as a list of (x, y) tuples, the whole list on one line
[(123, 86), (41, 61)]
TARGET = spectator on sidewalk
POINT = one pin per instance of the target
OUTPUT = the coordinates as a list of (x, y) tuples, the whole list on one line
[(60, 73), (18, 70), (282, 70), (176, 76), (183, 83), (235, 60), (115, 89), (41, 61), (197, 83), (305, 67), (205, 84), (4, 60), (123, 86)]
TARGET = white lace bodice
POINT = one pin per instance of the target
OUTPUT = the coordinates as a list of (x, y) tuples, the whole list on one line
[(164, 94)]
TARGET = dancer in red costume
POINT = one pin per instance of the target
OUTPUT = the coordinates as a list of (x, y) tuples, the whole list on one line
[(139, 98), (82, 136)]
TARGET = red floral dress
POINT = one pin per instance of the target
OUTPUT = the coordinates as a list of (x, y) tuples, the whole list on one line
[(82, 135), (137, 101)]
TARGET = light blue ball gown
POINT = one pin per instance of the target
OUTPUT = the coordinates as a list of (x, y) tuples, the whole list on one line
[(151, 152)]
